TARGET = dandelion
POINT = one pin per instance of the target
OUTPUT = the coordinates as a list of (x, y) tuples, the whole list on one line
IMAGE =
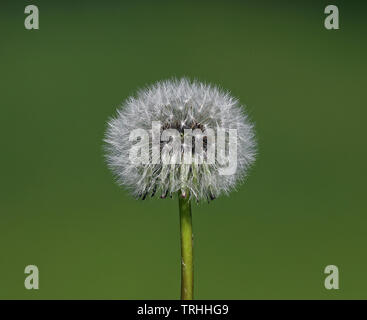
[(180, 137)]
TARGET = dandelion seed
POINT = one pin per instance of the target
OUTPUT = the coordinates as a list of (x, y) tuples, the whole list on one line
[(211, 108)]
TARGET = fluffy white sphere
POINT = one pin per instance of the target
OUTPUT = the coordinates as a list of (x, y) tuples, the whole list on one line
[(178, 104)]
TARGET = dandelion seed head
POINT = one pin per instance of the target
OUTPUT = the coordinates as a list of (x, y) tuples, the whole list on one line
[(178, 104)]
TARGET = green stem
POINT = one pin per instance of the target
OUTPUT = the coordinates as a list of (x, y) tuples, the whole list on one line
[(187, 267)]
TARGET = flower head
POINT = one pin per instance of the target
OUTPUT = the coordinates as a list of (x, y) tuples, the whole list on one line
[(182, 117)]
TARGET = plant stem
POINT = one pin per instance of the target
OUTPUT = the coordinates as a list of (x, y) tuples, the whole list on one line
[(187, 267)]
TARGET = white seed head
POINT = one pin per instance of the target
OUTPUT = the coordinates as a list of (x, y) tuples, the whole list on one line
[(179, 104)]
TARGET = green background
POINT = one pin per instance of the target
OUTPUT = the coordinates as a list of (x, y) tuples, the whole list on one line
[(303, 206)]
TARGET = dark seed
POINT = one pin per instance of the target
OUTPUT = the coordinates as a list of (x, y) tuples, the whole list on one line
[(154, 190)]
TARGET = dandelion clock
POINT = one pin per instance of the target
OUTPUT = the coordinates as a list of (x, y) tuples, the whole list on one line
[(180, 138)]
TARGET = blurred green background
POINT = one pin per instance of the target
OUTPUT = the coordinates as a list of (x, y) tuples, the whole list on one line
[(302, 208)]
